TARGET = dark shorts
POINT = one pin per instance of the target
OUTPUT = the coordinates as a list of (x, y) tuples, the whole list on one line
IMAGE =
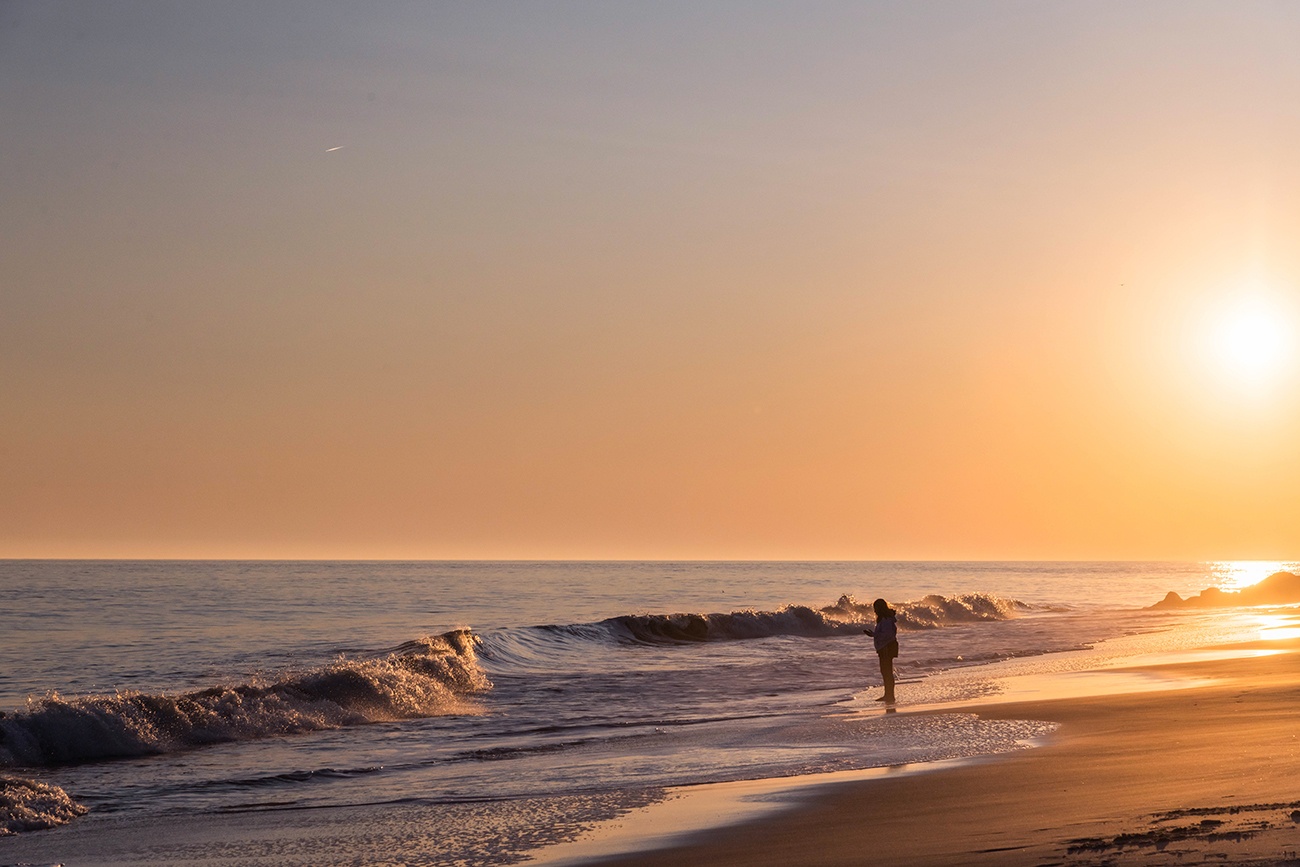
[(889, 651)]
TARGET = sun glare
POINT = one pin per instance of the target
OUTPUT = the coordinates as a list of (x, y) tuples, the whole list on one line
[(1232, 575), (1278, 627), (1252, 341)]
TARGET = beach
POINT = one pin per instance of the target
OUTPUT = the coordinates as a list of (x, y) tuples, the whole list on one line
[(1205, 774), (1030, 728)]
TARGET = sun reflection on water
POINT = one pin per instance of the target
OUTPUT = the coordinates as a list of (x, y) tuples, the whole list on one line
[(1232, 575)]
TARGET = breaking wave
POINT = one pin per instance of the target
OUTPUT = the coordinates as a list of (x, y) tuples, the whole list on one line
[(26, 805), (846, 617), (934, 611), (428, 677)]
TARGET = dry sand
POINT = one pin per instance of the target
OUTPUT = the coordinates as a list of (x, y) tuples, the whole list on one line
[(1209, 774)]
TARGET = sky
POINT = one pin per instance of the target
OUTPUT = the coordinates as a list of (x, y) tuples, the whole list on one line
[(592, 280)]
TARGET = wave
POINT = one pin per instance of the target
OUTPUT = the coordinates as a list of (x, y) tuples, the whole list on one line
[(846, 617), (935, 611), (738, 625), (26, 805), (289, 778), (429, 677)]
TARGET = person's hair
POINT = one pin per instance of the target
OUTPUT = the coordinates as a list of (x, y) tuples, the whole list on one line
[(882, 609)]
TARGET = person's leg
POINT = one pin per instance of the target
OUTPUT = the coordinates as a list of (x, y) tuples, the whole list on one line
[(887, 674)]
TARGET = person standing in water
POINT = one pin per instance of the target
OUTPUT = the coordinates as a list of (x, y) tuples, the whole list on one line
[(885, 637)]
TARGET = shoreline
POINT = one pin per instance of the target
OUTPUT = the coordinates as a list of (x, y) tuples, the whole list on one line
[(696, 811), (1174, 775), (1172, 755), (691, 812)]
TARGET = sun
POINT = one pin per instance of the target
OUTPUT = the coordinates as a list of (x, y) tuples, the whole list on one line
[(1252, 340)]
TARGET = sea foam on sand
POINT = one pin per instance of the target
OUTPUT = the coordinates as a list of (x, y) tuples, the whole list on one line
[(28, 805)]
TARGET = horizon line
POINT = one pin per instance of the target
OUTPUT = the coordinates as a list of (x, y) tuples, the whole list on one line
[(4, 559)]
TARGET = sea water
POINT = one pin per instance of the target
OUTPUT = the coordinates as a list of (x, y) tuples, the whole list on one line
[(499, 707)]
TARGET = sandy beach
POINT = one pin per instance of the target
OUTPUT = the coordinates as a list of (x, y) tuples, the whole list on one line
[(1205, 774)]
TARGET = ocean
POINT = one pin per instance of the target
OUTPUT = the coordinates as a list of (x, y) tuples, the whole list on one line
[(478, 712)]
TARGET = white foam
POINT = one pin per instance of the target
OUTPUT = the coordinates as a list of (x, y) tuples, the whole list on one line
[(27, 805), (430, 677)]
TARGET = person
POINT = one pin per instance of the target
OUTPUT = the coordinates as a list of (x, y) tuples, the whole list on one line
[(885, 638)]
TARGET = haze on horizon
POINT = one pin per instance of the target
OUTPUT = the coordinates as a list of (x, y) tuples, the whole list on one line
[(590, 280)]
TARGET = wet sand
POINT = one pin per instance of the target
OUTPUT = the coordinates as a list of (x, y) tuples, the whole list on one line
[(1207, 774)]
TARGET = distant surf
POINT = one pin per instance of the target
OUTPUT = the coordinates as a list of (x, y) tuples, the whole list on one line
[(846, 617)]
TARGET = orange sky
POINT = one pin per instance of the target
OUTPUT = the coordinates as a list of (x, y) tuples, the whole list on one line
[(811, 281)]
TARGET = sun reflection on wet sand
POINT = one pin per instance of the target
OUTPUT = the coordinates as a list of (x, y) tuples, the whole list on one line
[(1277, 627), (1078, 684)]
